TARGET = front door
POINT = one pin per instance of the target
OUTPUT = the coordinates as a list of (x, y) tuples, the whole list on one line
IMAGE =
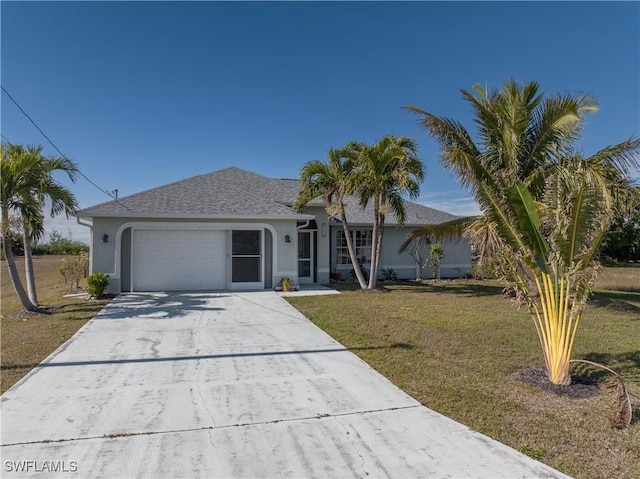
[(305, 257)]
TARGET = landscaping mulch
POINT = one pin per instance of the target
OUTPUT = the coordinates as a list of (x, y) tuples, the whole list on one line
[(580, 387)]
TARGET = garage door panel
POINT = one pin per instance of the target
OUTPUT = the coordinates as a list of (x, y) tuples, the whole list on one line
[(179, 260)]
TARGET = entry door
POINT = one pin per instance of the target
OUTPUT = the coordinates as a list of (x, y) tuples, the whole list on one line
[(305, 257)]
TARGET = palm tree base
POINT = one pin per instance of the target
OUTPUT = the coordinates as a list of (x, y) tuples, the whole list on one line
[(580, 387)]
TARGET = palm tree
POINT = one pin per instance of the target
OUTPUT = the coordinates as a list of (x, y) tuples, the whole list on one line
[(14, 180), (387, 172), (545, 207), (333, 181), (46, 189), (27, 182)]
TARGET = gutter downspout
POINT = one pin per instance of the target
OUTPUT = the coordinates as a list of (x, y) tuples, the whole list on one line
[(301, 227), (90, 226)]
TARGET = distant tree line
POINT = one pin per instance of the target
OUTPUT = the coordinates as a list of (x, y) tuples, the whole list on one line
[(622, 242), (60, 246), (57, 245)]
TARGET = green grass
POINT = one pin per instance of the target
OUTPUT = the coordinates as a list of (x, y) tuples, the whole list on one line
[(28, 339), (454, 346)]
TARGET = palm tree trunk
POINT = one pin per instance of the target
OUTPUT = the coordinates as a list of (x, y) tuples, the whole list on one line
[(378, 253), (28, 264), (352, 252), (374, 249), (11, 266)]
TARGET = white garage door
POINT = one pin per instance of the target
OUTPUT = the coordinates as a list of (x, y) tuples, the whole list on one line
[(175, 260)]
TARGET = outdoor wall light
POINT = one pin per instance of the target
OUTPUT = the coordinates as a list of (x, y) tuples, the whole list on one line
[(323, 229), (105, 238), (287, 239)]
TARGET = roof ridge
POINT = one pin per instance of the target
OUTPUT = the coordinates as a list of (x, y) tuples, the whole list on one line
[(166, 185)]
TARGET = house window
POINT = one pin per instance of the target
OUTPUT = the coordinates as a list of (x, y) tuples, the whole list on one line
[(246, 258), (361, 243)]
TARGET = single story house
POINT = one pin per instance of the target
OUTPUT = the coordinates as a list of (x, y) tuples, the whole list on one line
[(234, 229)]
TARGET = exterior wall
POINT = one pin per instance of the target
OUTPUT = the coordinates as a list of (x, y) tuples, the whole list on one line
[(113, 257), (107, 257), (455, 263)]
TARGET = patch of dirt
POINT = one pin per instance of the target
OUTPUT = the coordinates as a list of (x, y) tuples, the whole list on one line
[(24, 314), (580, 387)]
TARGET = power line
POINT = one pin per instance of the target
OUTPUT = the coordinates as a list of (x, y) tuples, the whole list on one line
[(58, 149)]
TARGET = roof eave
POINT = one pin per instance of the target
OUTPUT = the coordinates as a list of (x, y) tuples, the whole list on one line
[(298, 216)]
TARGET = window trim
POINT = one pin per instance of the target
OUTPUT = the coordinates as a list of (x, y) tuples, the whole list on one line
[(358, 248)]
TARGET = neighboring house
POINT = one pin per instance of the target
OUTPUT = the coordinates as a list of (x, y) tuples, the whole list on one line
[(234, 229)]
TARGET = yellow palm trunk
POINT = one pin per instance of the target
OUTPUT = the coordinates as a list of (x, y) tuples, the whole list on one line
[(556, 323)]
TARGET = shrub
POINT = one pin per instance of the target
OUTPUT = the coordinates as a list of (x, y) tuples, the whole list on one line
[(73, 269), (388, 275), (436, 253), (97, 283)]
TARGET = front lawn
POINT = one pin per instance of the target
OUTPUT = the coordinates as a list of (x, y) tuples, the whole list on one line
[(455, 346), (29, 338)]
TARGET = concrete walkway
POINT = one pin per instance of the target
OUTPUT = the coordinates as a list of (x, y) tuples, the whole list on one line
[(228, 385)]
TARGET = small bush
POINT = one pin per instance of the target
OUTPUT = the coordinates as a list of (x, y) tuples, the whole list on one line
[(285, 284), (388, 275), (97, 284), (73, 269)]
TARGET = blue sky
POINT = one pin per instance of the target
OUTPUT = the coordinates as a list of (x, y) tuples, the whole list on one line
[(140, 94)]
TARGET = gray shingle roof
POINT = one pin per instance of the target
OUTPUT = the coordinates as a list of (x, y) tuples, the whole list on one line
[(415, 214), (234, 192)]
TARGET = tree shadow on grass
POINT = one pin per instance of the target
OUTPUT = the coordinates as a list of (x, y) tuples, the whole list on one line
[(626, 364), (83, 312), (618, 301), (463, 288)]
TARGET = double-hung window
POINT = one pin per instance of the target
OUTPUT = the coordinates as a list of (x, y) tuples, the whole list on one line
[(361, 243)]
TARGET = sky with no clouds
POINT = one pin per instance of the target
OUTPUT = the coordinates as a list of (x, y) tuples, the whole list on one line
[(140, 94)]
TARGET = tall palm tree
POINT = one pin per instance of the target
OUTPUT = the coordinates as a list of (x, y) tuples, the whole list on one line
[(545, 207), (15, 179), (27, 182), (46, 190), (387, 171), (333, 181)]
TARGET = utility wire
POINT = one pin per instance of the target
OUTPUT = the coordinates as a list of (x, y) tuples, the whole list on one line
[(58, 149)]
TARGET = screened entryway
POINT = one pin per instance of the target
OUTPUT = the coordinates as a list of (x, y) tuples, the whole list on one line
[(247, 258), (305, 257)]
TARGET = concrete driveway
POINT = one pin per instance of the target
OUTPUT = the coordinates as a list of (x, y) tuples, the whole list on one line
[(228, 385)]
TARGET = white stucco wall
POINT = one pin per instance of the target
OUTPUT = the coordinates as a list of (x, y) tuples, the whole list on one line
[(455, 263), (105, 257)]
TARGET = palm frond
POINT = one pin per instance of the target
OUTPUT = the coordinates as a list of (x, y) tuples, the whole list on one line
[(526, 212), (450, 231), (621, 412)]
